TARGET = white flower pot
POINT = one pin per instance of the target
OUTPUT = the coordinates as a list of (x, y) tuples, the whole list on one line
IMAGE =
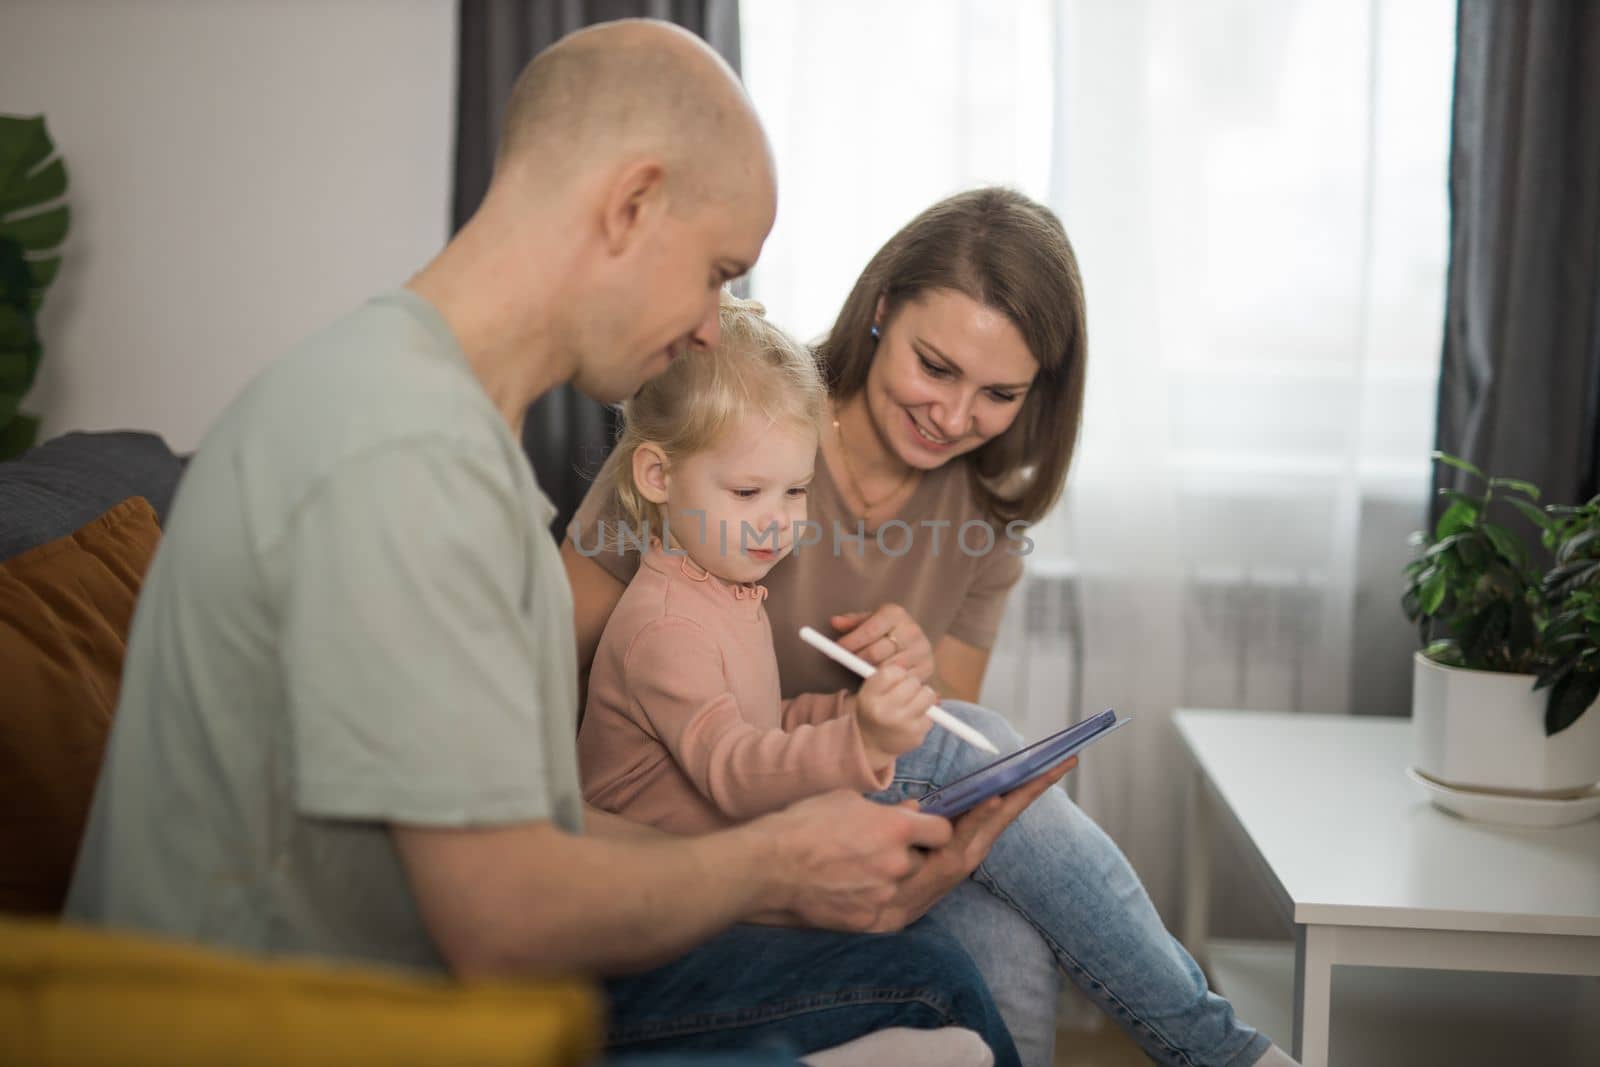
[(1484, 730)]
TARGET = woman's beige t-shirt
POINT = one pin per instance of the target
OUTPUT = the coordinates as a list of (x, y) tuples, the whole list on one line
[(940, 558)]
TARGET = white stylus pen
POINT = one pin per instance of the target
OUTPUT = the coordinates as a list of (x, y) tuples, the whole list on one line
[(850, 661)]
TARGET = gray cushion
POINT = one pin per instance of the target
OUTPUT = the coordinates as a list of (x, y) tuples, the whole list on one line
[(54, 489)]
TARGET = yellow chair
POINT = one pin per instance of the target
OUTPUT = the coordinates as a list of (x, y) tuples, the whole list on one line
[(78, 997)]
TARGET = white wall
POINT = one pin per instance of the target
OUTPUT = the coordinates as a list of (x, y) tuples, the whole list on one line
[(242, 171)]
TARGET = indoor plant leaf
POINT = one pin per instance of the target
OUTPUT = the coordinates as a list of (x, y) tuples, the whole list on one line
[(1468, 498), (1505, 543), (1458, 516), (1577, 544), (1471, 549), (19, 336), (33, 224), (1526, 488), (1569, 698), (24, 145), (30, 190), (18, 435), (44, 271), (1432, 593), (1459, 464), (40, 231), (32, 183), (1567, 576), (1445, 651), (1535, 515)]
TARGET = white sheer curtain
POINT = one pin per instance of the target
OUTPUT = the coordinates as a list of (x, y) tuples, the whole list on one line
[(1256, 191)]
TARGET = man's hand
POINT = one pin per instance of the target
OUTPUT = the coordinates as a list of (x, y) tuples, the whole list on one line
[(846, 855), (974, 834), (887, 636), (842, 859)]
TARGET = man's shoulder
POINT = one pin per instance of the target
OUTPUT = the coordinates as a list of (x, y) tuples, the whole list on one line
[(386, 378), (388, 370)]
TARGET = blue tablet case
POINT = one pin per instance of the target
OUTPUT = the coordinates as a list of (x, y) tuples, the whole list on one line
[(1008, 772)]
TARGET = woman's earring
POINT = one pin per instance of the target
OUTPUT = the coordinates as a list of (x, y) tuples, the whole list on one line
[(874, 331)]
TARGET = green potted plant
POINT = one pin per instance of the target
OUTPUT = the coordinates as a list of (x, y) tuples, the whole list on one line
[(1571, 639), (1510, 663), (33, 223)]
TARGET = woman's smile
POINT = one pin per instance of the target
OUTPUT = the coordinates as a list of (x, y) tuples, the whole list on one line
[(931, 442)]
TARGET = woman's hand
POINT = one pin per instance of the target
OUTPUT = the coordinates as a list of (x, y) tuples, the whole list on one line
[(888, 635)]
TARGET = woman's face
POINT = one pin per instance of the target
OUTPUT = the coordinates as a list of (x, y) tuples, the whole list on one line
[(948, 375)]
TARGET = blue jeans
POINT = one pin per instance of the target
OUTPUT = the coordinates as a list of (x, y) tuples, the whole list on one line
[(772, 992), (1015, 962), (1059, 871)]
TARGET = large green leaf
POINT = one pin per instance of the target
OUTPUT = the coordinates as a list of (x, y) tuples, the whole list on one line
[(33, 224), (19, 338), (32, 183), (18, 435), (24, 144), (40, 231), (44, 271), (30, 190)]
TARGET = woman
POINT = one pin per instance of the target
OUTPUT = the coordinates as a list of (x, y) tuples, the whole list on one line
[(956, 377)]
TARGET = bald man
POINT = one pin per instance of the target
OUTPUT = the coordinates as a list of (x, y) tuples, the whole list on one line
[(347, 721)]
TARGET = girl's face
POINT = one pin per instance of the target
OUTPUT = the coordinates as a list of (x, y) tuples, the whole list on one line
[(734, 507), (949, 374)]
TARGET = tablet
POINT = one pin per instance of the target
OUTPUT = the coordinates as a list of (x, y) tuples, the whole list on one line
[(1008, 772)]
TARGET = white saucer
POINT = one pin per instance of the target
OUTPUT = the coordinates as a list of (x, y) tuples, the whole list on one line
[(1509, 810)]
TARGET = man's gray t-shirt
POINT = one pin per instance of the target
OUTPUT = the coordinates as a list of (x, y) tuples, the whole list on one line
[(357, 617)]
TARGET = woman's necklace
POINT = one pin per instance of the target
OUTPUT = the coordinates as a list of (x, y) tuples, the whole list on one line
[(855, 482)]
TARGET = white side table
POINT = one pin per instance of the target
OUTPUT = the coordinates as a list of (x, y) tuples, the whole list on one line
[(1371, 874)]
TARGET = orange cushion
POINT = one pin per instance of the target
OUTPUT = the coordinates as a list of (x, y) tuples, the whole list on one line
[(65, 609)]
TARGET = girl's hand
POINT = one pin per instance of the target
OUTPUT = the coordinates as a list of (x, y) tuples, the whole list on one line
[(888, 636), (892, 712)]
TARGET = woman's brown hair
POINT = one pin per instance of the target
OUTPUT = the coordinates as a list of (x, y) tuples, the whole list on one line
[(1008, 253)]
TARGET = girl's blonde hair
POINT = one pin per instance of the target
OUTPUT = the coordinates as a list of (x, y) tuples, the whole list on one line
[(756, 369)]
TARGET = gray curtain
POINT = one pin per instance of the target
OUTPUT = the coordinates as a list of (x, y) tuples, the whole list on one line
[(566, 434), (1520, 384)]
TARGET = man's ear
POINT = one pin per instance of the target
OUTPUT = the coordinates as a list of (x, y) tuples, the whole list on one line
[(636, 196), (650, 472)]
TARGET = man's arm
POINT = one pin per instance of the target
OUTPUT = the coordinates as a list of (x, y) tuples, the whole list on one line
[(531, 899)]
